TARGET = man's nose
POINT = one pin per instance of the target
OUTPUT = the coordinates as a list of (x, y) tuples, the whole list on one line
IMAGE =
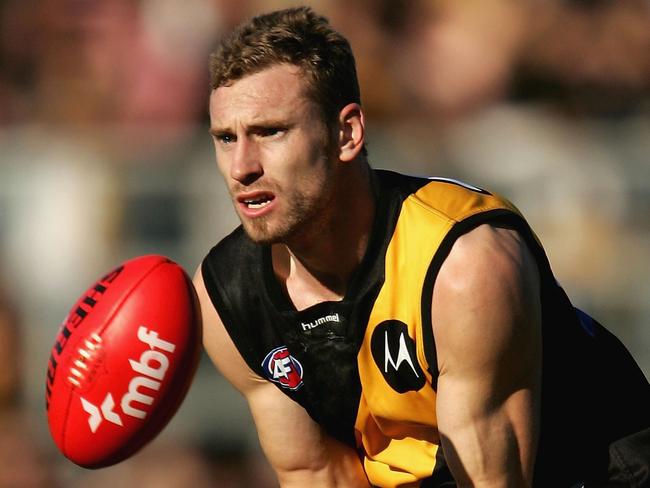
[(246, 165)]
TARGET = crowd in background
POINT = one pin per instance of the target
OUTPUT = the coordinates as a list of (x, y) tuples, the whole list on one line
[(104, 155)]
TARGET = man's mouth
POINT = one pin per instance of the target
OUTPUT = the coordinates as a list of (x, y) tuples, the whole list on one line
[(257, 202)]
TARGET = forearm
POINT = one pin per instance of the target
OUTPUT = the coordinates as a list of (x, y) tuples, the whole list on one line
[(298, 449), (478, 460), (491, 444), (325, 463), (332, 475)]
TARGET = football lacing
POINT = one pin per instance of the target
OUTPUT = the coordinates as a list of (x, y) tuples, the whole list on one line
[(80, 371)]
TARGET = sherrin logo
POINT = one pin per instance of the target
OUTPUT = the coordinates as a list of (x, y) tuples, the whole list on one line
[(150, 369), (281, 367)]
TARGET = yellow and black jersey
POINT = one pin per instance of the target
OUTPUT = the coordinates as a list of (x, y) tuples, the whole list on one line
[(365, 367)]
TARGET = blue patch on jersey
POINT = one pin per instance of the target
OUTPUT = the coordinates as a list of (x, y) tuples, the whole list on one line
[(588, 324)]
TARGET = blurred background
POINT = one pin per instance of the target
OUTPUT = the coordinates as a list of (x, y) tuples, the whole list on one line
[(104, 155)]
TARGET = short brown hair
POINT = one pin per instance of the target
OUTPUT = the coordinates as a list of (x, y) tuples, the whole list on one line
[(295, 36)]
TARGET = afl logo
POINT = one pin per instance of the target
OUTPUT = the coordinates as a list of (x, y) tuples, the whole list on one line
[(280, 367)]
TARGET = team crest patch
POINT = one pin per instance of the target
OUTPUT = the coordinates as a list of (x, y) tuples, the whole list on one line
[(281, 367), (394, 353)]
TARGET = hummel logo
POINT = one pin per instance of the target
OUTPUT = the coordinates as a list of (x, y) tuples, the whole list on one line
[(394, 353), (97, 415), (320, 321)]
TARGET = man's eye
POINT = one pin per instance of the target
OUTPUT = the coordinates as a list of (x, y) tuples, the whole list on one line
[(225, 138), (270, 131)]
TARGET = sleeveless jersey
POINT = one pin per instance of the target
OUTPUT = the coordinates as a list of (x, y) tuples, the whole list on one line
[(365, 367)]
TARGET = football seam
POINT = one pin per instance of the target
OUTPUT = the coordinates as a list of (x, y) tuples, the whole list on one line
[(110, 318)]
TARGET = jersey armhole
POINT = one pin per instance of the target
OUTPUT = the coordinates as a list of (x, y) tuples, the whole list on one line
[(496, 216)]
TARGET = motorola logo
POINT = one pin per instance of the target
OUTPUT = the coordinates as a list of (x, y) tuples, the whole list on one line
[(394, 353)]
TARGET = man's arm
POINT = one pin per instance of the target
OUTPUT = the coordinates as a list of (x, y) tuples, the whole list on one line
[(299, 451), (486, 317)]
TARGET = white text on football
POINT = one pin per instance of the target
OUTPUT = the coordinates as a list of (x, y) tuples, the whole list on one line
[(152, 367)]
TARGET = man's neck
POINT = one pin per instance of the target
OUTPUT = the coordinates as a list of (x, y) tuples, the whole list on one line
[(317, 266)]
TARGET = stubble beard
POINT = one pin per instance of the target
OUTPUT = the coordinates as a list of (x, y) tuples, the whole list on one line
[(269, 230), (304, 215)]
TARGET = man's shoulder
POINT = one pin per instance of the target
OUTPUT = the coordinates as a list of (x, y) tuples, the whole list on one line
[(393, 181), (233, 257), (233, 246), (450, 195)]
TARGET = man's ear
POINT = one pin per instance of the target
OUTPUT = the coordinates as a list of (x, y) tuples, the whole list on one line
[(352, 132)]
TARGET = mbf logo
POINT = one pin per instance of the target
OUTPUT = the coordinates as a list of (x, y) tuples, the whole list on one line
[(283, 368), (151, 369), (394, 353)]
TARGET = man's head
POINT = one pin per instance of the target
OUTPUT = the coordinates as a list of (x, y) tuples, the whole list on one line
[(295, 36), (286, 123)]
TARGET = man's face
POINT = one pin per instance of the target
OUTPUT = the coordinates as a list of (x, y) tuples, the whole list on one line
[(274, 152)]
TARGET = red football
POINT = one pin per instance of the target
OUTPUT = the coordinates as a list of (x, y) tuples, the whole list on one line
[(123, 361)]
